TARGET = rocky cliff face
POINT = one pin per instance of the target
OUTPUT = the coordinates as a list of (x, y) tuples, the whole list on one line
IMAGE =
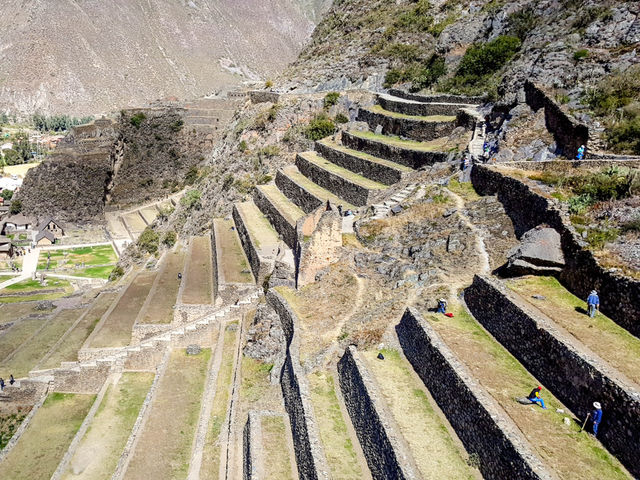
[(567, 44), (86, 57)]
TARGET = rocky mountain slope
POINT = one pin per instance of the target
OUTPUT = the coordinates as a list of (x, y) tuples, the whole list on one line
[(85, 57)]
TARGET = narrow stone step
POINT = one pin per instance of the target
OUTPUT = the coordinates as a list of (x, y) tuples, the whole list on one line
[(409, 153), (409, 126), (303, 192), (344, 183), (281, 212), (259, 239), (413, 107), (368, 166)]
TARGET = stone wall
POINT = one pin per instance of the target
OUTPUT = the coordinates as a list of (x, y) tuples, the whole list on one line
[(363, 166), (340, 186), (214, 260), (264, 96), (575, 375), (310, 457), (252, 446), (306, 200), (568, 133), (420, 109), (320, 249), (261, 269), (406, 127), (482, 426), (440, 97), (286, 230), (385, 456), (25, 392), (411, 158), (619, 295), (565, 165)]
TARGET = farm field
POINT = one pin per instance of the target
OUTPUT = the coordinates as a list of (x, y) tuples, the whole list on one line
[(199, 277), (116, 330), (164, 448), (99, 451), (46, 439), (165, 294), (67, 351), (31, 290), (92, 262)]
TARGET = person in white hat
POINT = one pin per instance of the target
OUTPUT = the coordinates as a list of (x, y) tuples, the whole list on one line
[(596, 417)]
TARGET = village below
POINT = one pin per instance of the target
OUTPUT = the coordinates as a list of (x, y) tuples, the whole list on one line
[(412, 252)]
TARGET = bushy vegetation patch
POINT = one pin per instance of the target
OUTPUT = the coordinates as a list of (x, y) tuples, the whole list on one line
[(320, 127), (331, 99), (149, 241), (137, 119)]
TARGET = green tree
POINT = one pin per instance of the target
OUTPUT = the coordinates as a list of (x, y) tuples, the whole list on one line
[(149, 241), (6, 194), (16, 207)]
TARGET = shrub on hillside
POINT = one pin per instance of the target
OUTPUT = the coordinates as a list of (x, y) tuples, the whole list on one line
[(320, 127), (485, 59), (191, 200), (149, 241), (137, 119), (191, 176), (341, 118), (330, 99), (624, 136), (16, 207), (169, 238), (116, 273)]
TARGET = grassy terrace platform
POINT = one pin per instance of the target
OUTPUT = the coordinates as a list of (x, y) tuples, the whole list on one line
[(570, 453), (431, 118), (116, 330), (323, 194), (262, 233), (116, 226), (210, 468), (27, 356), (337, 441), (430, 146), (233, 266), (134, 222), (279, 462), (199, 278), (314, 158), (18, 333), (165, 294), (31, 290), (100, 449), (164, 448), (436, 453), (44, 443), (149, 214), (601, 334), (67, 350), (289, 210), (365, 156)]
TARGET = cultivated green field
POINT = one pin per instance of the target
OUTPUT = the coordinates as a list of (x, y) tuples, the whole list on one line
[(92, 262), (31, 290)]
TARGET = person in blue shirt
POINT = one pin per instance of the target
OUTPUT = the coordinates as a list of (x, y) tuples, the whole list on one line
[(535, 397), (580, 155), (593, 303), (596, 417), (442, 306)]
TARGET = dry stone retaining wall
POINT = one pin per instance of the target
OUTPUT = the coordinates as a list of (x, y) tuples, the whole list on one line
[(310, 457), (385, 456), (411, 158), (480, 423), (261, 269), (307, 201), (343, 188), (440, 97), (420, 109), (619, 295), (575, 375), (406, 127), (279, 222), (367, 168)]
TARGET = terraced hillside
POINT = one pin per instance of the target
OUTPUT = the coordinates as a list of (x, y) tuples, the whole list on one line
[(350, 373)]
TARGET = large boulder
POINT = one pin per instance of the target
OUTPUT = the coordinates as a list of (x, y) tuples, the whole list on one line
[(539, 253)]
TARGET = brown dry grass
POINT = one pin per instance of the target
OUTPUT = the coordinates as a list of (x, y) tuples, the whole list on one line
[(199, 278), (160, 309)]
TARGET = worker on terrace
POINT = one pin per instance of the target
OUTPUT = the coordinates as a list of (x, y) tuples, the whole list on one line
[(535, 397), (442, 306), (1, 384), (596, 417), (581, 150), (593, 303)]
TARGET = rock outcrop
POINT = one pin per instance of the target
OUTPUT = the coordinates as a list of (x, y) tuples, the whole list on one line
[(539, 253)]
